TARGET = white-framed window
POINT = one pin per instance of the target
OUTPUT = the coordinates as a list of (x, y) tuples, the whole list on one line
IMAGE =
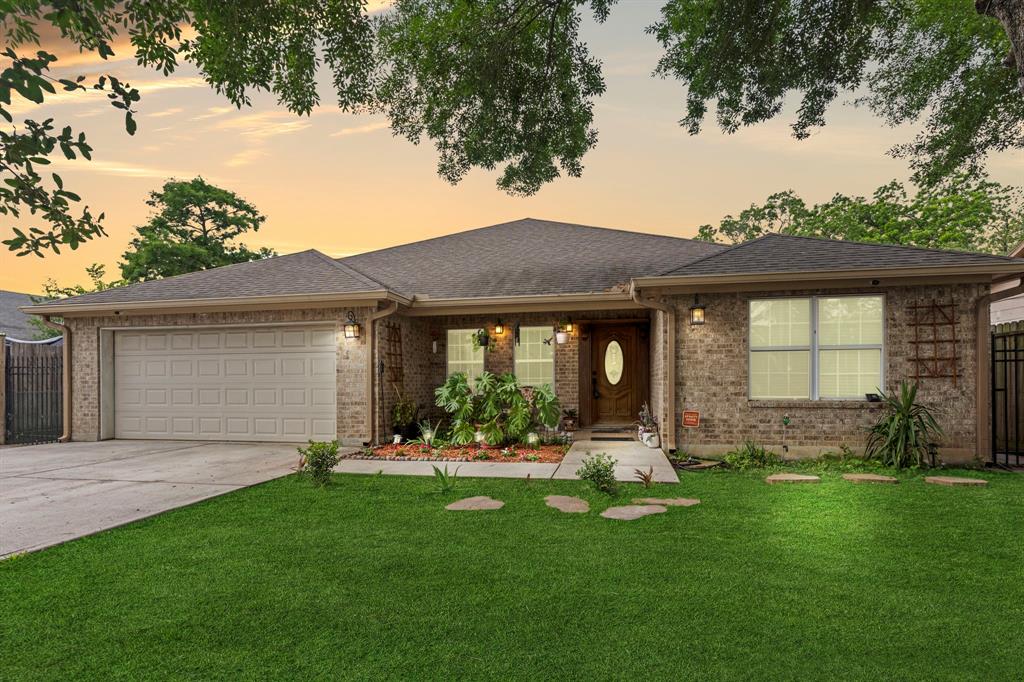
[(462, 357), (816, 347), (534, 359)]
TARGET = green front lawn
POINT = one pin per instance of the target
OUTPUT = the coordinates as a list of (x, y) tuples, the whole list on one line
[(372, 578)]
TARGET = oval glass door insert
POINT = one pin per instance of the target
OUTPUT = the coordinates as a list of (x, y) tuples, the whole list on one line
[(613, 363)]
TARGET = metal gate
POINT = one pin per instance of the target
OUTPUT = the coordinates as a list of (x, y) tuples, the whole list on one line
[(34, 391), (1008, 394)]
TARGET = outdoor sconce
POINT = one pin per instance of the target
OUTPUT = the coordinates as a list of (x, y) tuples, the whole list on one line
[(499, 328), (568, 326), (696, 312), (351, 326)]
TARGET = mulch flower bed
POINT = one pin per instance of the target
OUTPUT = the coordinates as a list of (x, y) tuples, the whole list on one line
[(549, 454)]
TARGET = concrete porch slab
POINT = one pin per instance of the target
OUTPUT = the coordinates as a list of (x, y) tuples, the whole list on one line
[(629, 456)]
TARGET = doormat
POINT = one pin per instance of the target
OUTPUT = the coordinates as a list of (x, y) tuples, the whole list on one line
[(611, 429), (622, 438)]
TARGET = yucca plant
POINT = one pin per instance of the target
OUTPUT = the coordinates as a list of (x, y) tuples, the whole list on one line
[(444, 481), (903, 432)]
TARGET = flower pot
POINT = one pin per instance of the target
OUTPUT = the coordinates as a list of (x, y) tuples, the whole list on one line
[(650, 439), (397, 439), (561, 337)]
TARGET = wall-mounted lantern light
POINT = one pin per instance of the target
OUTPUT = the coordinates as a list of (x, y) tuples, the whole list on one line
[(351, 326), (696, 312), (499, 328), (568, 326)]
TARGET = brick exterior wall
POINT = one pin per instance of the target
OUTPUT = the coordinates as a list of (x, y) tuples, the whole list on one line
[(712, 365), (85, 346)]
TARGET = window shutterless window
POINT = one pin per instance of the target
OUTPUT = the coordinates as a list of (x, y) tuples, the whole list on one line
[(534, 359), (461, 355), (820, 347)]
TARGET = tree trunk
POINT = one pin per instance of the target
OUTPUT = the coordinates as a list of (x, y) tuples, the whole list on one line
[(1010, 14)]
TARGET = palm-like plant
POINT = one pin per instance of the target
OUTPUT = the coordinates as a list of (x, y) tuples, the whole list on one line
[(902, 434), (502, 409)]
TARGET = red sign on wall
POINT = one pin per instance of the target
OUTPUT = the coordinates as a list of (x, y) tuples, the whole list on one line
[(691, 419)]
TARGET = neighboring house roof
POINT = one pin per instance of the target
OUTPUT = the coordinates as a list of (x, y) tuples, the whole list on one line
[(303, 274), (13, 322), (777, 253), (526, 257)]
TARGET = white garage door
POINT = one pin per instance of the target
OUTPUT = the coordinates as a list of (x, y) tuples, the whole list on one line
[(255, 384)]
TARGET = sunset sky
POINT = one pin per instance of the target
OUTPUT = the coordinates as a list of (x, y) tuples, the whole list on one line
[(343, 184)]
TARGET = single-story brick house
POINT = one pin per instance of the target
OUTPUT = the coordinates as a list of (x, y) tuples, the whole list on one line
[(305, 346)]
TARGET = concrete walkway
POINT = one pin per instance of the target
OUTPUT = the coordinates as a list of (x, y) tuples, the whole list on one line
[(60, 491), (631, 455)]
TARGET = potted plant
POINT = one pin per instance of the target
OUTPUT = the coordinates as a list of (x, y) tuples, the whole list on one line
[(481, 339), (403, 417), (647, 428), (569, 417)]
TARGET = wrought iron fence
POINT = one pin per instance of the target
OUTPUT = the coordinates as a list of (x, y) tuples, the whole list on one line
[(34, 392)]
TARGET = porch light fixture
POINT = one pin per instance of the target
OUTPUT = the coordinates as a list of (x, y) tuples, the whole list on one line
[(351, 326), (567, 327), (696, 312), (499, 328)]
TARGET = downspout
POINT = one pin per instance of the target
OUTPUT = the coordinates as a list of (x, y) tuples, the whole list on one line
[(670, 359), (983, 425), (371, 368), (65, 375)]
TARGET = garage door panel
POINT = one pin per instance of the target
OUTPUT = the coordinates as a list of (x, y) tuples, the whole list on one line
[(237, 384)]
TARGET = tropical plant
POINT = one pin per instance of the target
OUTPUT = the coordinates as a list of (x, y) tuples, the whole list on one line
[(320, 458), (904, 431), (444, 481), (751, 455), (645, 477), (497, 406), (599, 470)]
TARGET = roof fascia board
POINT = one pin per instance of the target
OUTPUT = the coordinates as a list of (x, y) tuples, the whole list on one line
[(510, 304), (807, 284), (212, 304), (942, 271)]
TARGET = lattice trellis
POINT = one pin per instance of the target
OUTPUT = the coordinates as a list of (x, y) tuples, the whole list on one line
[(393, 355), (934, 340)]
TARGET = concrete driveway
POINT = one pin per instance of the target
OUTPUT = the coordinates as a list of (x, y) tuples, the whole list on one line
[(57, 492)]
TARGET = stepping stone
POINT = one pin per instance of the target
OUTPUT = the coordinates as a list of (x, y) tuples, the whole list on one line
[(954, 480), (869, 478), (478, 503), (792, 478), (633, 512), (667, 501), (567, 504)]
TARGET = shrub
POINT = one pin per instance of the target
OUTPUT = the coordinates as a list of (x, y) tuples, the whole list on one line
[(599, 470), (645, 477), (904, 430), (321, 457), (502, 409), (445, 482), (751, 455)]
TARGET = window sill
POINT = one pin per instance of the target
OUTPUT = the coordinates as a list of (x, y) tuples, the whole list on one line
[(815, 404)]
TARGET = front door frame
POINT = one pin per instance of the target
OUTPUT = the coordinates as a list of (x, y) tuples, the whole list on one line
[(641, 363)]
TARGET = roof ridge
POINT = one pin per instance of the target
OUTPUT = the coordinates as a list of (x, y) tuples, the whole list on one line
[(521, 220), (347, 269), (909, 247), (724, 251)]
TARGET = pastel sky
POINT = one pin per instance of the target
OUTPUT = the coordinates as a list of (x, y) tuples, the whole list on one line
[(343, 184)]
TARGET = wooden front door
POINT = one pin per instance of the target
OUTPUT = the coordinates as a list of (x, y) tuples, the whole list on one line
[(618, 374)]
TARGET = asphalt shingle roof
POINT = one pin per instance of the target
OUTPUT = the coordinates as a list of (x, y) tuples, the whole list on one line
[(306, 272), (787, 253), (13, 322), (526, 257)]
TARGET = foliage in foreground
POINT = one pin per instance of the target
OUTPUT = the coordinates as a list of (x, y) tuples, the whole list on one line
[(904, 432), (320, 458), (444, 481), (599, 471), (751, 455), (503, 410)]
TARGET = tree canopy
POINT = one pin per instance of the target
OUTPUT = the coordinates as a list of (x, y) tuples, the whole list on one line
[(510, 84), (960, 214), (194, 226)]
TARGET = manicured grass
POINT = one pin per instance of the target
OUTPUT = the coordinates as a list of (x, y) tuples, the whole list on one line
[(371, 578)]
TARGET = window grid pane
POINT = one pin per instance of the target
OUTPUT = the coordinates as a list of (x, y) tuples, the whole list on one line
[(850, 321), (849, 373), (462, 357), (534, 359), (780, 322), (780, 374)]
